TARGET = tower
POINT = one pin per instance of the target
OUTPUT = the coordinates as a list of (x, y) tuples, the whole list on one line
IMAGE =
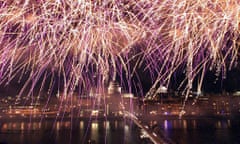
[(114, 88)]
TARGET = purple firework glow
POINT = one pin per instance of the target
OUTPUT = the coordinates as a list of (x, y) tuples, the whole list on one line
[(88, 43)]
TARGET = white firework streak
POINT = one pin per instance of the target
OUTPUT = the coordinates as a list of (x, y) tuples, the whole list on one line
[(79, 39)]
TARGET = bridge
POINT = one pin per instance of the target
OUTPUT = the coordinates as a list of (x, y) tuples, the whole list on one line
[(147, 132)]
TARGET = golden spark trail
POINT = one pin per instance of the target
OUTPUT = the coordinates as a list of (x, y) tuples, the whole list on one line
[(85, 41)]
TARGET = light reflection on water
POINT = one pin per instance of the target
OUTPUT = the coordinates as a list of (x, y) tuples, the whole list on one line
[(62, 132), (195, 124), (198, 131), (94, 131), (20, 126)]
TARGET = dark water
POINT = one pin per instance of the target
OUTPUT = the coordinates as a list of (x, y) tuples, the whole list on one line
[(202, 131), (189, 131), (80, 132)]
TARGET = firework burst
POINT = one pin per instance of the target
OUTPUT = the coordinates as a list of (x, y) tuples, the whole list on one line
[(87, 43)]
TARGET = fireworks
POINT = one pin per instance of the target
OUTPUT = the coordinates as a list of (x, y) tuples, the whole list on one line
[(86, 43)]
